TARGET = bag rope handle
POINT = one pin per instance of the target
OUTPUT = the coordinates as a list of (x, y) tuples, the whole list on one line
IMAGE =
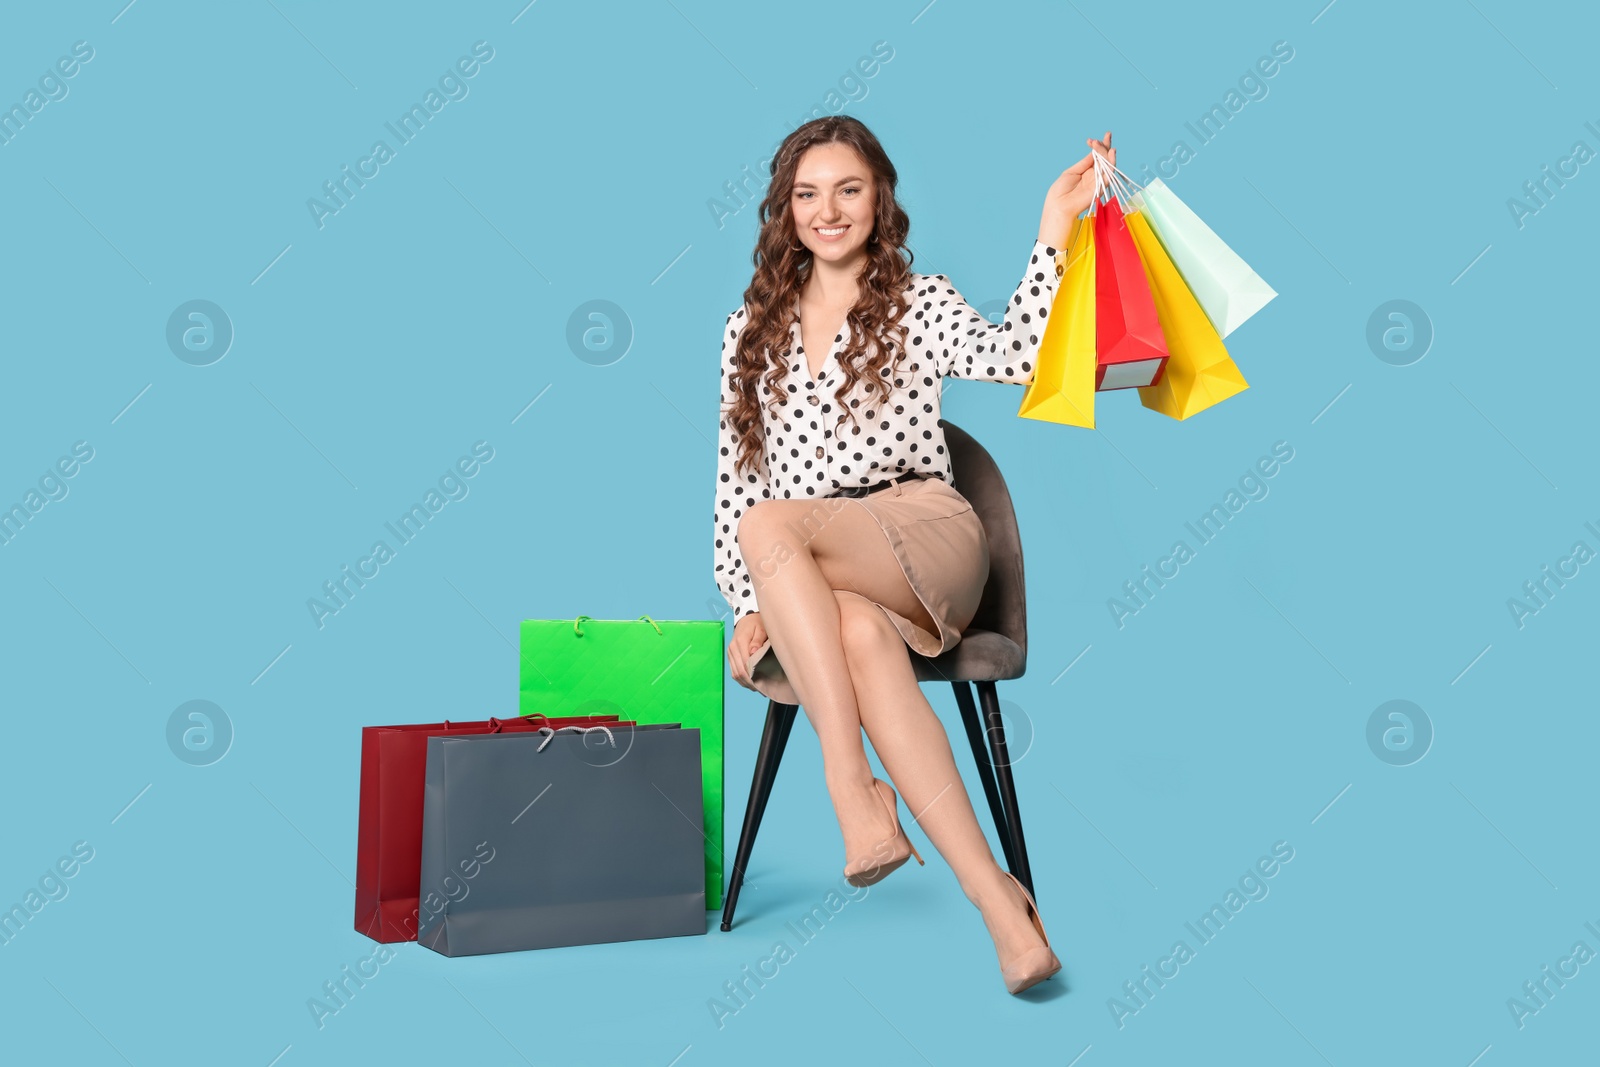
[(1107, 181), (551, 733), (1116, 174), (577, 625)]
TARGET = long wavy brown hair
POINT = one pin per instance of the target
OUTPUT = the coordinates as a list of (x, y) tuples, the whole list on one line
[(771, 301)]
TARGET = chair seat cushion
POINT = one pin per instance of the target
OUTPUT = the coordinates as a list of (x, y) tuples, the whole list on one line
[(980, 656)]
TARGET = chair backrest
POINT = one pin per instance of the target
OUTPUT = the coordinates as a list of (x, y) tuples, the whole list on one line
[(1003, 609)]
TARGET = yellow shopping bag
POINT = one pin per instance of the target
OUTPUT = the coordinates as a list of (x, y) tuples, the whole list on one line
[(1199, 371), (1062, 387)]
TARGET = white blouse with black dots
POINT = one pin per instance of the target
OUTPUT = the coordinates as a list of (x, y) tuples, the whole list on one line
[(814, 449)]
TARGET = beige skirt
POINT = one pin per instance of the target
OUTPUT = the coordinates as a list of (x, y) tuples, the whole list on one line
[(943, 552)]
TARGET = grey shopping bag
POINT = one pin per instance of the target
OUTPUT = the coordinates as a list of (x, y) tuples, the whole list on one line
[(569, 837)]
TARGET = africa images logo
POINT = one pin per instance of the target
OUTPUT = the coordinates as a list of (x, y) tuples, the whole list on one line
[(453, 87)]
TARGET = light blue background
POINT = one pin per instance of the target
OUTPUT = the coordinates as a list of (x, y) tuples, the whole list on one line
[(370, 354)]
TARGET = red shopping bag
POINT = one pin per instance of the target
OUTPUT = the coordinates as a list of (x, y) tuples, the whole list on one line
[(1130, 349), (389, 837)]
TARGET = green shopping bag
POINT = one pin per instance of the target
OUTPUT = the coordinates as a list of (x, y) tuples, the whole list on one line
[(659, 671)]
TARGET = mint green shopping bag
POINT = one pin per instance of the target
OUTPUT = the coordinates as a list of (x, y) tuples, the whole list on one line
[(1228, 290), (646, 670)]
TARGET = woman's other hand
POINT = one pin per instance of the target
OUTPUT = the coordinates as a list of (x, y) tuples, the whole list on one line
[(748, 634), (1071, 194)]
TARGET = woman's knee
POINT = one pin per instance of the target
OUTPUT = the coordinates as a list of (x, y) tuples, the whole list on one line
[(864, 629), (764, 541), (761, 525)]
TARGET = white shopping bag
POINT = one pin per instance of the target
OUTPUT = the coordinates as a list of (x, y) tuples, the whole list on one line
[(1228, 290)]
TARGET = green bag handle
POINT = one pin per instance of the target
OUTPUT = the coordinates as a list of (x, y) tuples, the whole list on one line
[(577, 625)]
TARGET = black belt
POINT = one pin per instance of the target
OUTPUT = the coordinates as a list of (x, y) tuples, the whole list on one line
[(863, 490)]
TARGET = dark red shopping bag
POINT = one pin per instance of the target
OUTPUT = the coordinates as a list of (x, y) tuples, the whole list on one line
[(1130, 349), (389, 837)]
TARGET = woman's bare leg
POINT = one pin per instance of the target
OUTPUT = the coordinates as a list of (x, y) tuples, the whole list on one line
[(812, 562), (912, 742), (785, 543)]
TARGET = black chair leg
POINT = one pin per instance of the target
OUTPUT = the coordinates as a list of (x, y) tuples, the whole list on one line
[(780, 720), (980, 756), (1008, 790)]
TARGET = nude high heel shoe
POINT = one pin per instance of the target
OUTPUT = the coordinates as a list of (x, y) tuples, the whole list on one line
[(1036, 964), (878, 866)]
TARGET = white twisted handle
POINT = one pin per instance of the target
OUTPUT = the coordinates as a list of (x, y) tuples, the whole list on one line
[(551, 733)]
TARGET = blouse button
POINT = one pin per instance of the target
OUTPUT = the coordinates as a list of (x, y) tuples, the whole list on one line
[(1060, 270), (812, 400), (819, 451)]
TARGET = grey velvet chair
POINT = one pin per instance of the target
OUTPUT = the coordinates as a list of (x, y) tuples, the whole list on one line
[(993, 648)]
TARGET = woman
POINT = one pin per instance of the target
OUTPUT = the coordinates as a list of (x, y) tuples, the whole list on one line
[(840, 539)]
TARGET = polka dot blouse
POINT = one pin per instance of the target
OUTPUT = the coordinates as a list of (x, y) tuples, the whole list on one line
[(813, 449)]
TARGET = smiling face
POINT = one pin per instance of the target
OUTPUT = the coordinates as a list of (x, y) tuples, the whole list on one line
[(833, 203)]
